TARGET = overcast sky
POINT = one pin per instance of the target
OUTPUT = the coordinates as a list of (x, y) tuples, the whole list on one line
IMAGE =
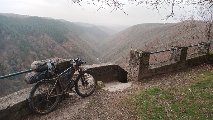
[(67, 10)]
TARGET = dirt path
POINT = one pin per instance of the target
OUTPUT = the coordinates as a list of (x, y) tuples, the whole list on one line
[(106, 105)]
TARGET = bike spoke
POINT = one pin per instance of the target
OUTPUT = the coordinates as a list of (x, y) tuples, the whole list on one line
[(86, 84), (45, 97)]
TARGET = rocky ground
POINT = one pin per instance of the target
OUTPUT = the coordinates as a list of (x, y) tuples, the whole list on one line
[(111, 105)]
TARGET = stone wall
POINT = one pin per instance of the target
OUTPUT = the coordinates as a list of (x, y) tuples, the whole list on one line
[(15, 106), (143, 64), (107, 72), (134, 64)]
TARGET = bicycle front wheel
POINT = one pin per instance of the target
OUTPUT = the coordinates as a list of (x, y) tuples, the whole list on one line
[(44, 97), (85, 85)]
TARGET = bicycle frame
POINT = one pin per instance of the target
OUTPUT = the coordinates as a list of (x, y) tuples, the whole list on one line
[(57, 80)]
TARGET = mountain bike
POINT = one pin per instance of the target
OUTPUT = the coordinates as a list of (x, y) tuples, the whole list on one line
[(47, 93)]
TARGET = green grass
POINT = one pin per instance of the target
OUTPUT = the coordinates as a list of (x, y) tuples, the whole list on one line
[(194, 102)]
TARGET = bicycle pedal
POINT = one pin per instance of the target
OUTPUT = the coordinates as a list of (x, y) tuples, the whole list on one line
[(71, 94)]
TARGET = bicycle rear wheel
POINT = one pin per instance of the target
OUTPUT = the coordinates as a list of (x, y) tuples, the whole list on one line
[(44, 97), (85, 85)]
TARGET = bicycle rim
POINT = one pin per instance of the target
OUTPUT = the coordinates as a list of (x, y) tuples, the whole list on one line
[(44, 97), (85, 85)]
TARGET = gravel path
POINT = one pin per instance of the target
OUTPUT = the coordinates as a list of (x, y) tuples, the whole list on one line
[(106, 105)]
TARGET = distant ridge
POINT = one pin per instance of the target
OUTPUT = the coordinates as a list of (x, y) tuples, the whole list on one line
[(153, 36)]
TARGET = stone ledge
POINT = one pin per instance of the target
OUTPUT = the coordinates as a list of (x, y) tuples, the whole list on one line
[(14, 105)]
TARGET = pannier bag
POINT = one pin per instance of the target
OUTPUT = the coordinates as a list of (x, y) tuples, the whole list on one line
[(34, 77), (45, 69)]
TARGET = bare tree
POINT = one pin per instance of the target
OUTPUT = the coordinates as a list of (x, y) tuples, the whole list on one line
[(206, 14), (156, 4)]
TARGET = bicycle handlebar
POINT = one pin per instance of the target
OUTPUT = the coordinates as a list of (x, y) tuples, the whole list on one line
[(78, 62)]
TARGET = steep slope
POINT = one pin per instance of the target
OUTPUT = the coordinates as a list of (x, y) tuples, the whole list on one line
[(24, 39), (151, 37), (133, 37)]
